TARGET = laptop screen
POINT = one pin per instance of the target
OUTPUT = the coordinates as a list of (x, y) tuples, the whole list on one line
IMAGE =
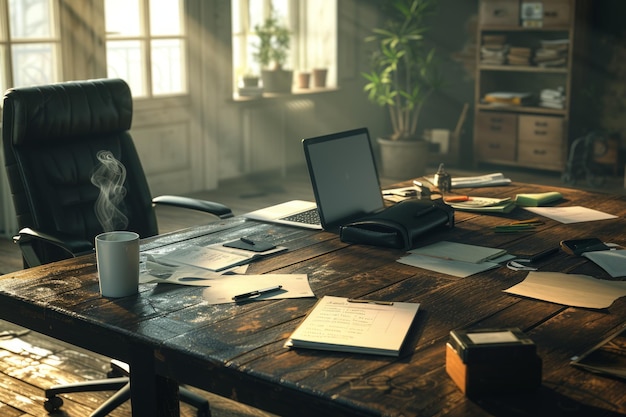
[(343, 175)]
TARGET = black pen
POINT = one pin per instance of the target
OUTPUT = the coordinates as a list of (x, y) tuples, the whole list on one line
[(246, 240), (539, 256), (256, 293)]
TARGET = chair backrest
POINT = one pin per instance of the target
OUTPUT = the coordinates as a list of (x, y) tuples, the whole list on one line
[(51, 137)]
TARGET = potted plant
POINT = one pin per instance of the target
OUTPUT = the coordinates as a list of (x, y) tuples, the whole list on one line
[(271, 54), (403, 75)]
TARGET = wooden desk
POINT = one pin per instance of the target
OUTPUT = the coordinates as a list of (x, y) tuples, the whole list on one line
[(237, 350)]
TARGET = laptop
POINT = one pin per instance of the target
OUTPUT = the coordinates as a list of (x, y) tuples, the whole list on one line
[(345, 183)]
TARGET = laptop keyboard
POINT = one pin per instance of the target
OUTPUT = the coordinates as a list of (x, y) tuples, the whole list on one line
[(307, 217)]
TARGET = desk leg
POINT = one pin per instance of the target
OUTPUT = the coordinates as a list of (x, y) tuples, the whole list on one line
[(150, 394)]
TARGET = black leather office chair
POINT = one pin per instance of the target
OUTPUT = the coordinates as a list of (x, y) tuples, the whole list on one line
[(51, 136)]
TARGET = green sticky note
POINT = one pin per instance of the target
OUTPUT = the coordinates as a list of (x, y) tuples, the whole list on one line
[(537, 199)]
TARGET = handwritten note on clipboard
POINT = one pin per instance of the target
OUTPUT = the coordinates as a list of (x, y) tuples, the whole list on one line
[(340, 324)]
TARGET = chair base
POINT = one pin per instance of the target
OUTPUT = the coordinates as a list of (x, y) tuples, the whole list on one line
[(122, 387)]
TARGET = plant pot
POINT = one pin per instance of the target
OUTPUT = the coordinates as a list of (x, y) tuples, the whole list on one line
[(304, 79), (277, 81), (319, 77), (250, 81), (403, 160)]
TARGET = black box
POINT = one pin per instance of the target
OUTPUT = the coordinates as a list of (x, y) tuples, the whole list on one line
[(491, 361)]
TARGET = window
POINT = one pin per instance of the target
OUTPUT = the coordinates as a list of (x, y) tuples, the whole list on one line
[(146, 45), (29, 43), (313, 25)]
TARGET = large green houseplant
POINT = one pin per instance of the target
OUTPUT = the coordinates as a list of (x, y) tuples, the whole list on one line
[(271, 53), (403, 75)]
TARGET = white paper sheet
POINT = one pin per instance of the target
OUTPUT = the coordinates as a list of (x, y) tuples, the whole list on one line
[(612, 261), (454, 268), (573, 214), (153, 270), (570, 289), (223, 290)]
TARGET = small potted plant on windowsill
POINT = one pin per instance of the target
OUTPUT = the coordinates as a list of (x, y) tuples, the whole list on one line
[(403, 75), (271, 54)]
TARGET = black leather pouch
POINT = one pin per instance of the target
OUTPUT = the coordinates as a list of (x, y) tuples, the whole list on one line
[(399, 226)]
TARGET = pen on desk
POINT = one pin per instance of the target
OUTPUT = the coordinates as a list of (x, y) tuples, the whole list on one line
[(382, 303), (256, 293), (246, 240), (544, 254)]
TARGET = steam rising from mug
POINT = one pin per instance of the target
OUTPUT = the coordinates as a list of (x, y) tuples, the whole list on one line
[(109, 177)]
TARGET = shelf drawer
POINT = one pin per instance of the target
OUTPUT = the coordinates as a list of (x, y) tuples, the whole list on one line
[(499, 12), (544, 129), (556, 13), (496, 125), (541, 155), (496, 135)]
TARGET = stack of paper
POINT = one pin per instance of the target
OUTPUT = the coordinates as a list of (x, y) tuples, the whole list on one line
[(508, 98), (457, 259), (487, 180), (360, 326), (485, 204)]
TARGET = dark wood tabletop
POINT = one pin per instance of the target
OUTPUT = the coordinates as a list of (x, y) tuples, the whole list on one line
[(237, 350)]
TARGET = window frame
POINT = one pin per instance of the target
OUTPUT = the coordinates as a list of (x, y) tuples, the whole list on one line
[(7, 43), (145, 38), (301, 52)]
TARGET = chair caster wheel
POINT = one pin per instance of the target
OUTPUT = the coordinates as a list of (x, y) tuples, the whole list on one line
[(53, 403)]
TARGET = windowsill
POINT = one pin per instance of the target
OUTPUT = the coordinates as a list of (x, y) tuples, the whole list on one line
[(295, 93)]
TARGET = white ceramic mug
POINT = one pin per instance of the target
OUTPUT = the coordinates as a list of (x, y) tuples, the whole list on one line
[(117, 255)]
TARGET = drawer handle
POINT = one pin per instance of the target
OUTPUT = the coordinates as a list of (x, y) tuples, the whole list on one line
[(499, 12), (496, 120), (541, 124), (539, 151), (551, 14), (540, 132), (494, 146), (495, 128)]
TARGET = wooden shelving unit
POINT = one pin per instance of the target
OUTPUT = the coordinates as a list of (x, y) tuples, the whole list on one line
[(527, 135)]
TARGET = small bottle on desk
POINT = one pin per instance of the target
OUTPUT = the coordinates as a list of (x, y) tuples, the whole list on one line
[(443, 181)]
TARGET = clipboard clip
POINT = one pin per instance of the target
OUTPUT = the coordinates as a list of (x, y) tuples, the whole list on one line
[(359, 301)]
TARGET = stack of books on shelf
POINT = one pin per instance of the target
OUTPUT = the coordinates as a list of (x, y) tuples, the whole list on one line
[(507, 98), (519, 55), (494, 50), (553, 98), (553, 53)]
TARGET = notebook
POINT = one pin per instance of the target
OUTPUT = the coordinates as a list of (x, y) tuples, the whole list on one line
[(344, 178)]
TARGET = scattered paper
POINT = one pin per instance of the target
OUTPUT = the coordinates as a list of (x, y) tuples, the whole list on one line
[(153, 270), (573, 214), (570, 289), (612, 261), (454, 268), (454, 251), (215, 257), (223, 290), (488, 180)]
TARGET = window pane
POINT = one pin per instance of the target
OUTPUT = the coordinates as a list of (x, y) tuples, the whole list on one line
[(168, 71), (256, 13), (124, 60), (30, 19), (165, 17), (33, 64), (122, 17)]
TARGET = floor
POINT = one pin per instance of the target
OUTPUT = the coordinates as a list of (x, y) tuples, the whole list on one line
[(30, 361)]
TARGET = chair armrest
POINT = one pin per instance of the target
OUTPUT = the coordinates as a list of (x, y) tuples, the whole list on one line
[(70, 244), (216, 209)]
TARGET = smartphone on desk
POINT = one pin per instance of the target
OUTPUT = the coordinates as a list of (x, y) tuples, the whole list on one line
[(580, 246)]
